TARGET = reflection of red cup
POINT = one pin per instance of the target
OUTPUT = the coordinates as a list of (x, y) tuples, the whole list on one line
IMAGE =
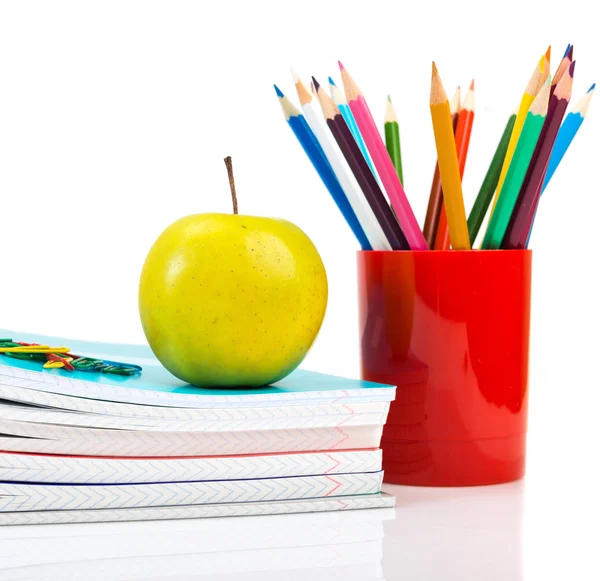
[(451, 331)]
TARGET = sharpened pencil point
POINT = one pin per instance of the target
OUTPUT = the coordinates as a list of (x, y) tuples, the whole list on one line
[(591, 88), (434, 71), (572, 69), (277, 90), (567, 50), (472, 87), (340, 65), (330, 81), (295, 75), (316, 84), (455, 103), (389, 99), (570, 52), (548, 53)]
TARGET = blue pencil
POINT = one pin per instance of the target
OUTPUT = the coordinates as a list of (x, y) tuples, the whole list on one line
[(569, 128), (315, 153), (342, 105)]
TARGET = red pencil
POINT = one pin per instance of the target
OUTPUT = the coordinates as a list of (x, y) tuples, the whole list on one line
[(463, 137), (517, 231)]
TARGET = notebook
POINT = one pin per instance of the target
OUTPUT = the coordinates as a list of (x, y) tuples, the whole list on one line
[(37, 468), (19, 437), (368, 414), (367, 501), (156, 386)]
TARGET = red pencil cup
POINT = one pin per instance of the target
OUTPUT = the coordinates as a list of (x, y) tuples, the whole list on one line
[(451, 331)]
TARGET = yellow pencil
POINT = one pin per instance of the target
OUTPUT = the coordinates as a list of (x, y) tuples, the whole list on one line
[(448, 164), (536, 82)]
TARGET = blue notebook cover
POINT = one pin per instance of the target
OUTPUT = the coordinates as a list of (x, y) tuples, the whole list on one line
[(155, 378)]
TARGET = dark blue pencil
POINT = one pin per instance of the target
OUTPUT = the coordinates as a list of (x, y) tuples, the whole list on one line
[(313, 150)]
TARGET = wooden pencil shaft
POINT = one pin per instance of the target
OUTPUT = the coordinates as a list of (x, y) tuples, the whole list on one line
[(488, 187), (450, 174), (434, 208), (392, 143), (462, 133), (367, 182)]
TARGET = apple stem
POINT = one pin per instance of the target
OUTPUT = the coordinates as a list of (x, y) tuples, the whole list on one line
[(231, 183)]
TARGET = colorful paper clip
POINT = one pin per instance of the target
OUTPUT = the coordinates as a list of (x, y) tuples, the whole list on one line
[(60, 358), (103, 366), (57, 362)]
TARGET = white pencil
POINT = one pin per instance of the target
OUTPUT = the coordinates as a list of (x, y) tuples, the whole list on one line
[(356, 198)]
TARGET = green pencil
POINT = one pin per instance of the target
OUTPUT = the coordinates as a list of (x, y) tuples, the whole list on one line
[(517, 169), (488, 187), (392, 138)]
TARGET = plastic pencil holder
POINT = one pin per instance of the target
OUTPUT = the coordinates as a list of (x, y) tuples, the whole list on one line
[(451, 331)]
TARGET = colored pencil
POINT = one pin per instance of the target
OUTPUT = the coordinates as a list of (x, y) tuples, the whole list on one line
[(383, 163), (569, 128), (436, 203), (567, 132), (519, 226), (518, 168), (363, 174), (309, 143), (488, 187), (448, 162), (342, 105), (392, 138), (533, 88), (462, 136), (362, 210)]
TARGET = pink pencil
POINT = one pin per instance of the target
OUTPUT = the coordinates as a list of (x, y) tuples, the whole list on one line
[(383, 163)]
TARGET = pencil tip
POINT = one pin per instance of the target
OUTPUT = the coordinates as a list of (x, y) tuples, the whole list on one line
[(567, 50), (330, 80), (316, 84), (341, 65), (434, 71), (570, 52), (295, 75), (389, 99), (278, 91), (591, 88), (572, 69), (549, 52), (472, 87)]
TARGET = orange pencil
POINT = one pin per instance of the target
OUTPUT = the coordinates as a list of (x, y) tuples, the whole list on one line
[(463, 137)]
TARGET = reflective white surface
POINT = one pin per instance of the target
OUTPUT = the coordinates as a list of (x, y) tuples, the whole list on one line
[(506, 533)]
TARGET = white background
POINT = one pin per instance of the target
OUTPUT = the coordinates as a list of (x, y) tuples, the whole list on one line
[(115, 118)]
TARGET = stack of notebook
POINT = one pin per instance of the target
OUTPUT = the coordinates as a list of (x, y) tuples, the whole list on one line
[(86, 447), (300, 547)]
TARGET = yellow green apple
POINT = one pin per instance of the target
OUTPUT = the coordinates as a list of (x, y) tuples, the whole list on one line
[(232, 300)]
